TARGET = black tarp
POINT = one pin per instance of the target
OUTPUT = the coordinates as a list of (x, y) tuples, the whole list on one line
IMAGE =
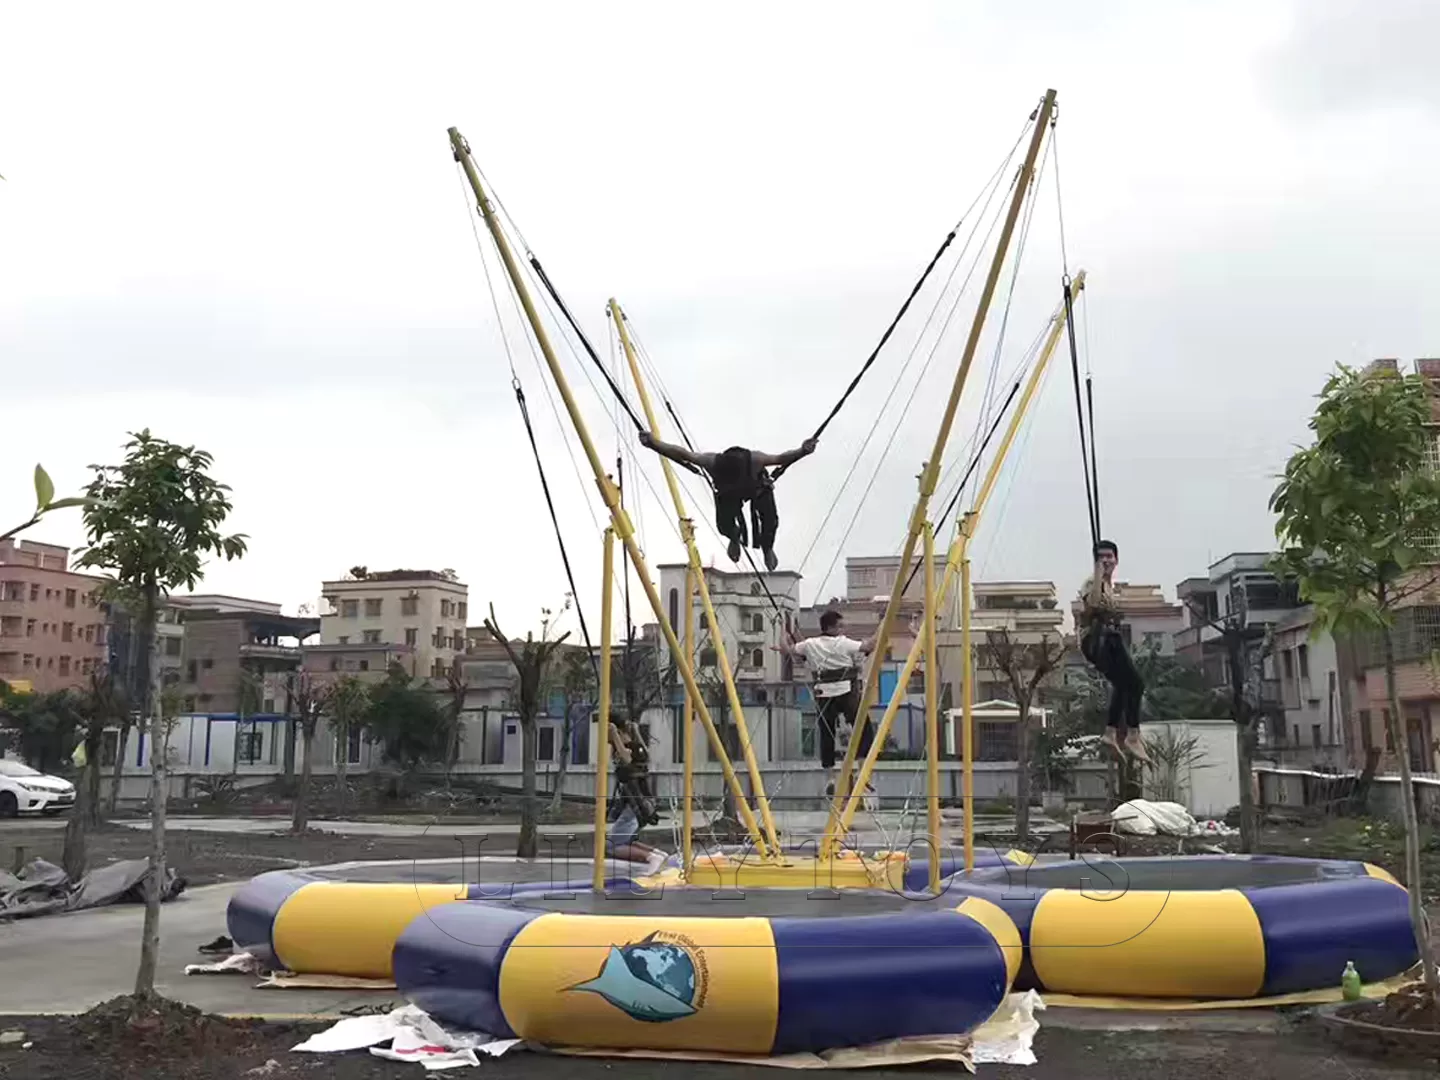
[(42, 888)]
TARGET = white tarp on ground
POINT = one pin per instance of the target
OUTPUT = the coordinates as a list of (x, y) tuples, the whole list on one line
[(409, 1034), (1141, 817)]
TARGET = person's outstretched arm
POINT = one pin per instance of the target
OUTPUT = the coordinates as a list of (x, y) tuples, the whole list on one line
[(676, 453), (805, 449)]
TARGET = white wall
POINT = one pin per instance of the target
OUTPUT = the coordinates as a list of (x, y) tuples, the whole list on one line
[(1212, 785)]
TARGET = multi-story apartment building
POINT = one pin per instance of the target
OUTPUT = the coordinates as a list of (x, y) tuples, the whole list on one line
[(872, 577), (1313, 698), (238, 661), (422, 609), (749, 624), (52, 621), (1239, 588)]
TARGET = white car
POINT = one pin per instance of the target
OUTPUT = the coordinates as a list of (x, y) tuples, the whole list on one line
[(25, 791)]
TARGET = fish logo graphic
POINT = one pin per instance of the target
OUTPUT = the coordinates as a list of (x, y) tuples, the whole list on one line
[(656, 979)]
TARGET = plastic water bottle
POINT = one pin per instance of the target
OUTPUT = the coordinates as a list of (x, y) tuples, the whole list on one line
[(1350, 982)]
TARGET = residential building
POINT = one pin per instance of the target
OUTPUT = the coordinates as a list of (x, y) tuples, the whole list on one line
[(52, 621), (369, 663), (238, 661), (750, 625), (1028, 612), (1315, 700), (422, 609), (1239, 587), (872, 577)]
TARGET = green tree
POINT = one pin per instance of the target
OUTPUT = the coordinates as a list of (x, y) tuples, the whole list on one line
[(403, 718), (151, 521), (308, 700), (45, 726), (345, 708), (531, 661), (1358, 512)]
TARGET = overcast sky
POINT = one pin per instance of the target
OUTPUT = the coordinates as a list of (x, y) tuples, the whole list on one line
[(244, 229)]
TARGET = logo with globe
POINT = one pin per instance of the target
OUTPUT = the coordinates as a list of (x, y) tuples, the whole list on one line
[(661, 977)]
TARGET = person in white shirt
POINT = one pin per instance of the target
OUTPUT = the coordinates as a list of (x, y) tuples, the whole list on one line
[(834, 660)]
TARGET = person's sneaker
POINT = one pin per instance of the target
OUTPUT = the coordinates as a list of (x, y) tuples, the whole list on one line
[(733, 551), (771, 560)]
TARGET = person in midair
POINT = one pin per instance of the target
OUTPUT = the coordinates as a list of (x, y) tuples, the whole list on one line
[(739, 476), (1103, 644)]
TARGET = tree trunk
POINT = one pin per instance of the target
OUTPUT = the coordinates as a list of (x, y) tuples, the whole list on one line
[(1022, 772), (342, 762), (117, 772), (1413, 881), (557, 794), (1244, 740), (159, 746), (75, 856), (300, 819), (528, 845), (1245, 759)]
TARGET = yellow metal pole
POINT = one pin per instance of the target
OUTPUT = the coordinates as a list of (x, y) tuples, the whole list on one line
[(602, 741), (967, 707), (618, 516), (687, 856), (717, 637), (958, 550), (932, 717), (930, 476)]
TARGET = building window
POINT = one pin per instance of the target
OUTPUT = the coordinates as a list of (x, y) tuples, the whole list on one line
[(707, 657), (372, 607), (754, 588), (437, 669), (352, 746), (349, 609), (207, 663), (444, 609), (69, 597), (674, 607), (334, 663), (100, 634), (34, 592), (67, 632), (364, 665), (1315, 735), (757, 658), (190, 672), (409, 605), (172, 646), (29, 627), (345, 640), (462, 610), (546, 750), (437, 639), (412, 635), (251, 746), (1287, 662), (372, 637), (757, 623), (1303, 654)]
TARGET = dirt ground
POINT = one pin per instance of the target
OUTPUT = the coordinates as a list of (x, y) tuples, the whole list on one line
[(58, 1052)]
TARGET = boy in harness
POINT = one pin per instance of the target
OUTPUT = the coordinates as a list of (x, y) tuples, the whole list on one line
[(633, 806), (739, 476)]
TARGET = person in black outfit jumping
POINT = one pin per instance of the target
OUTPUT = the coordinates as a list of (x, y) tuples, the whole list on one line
[(1103, 644), (739, 476)]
